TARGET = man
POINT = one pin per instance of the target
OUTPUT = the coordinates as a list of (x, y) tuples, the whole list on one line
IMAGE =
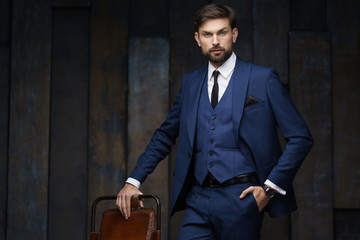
[(229, 166)]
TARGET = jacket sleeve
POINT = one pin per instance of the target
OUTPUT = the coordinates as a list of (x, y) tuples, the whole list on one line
[(293, 128)]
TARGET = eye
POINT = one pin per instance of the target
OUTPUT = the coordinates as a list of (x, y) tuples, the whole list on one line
[(206, 34), (222, 33)]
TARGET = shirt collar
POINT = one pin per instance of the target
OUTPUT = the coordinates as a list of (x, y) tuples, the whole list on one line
[(225, 69)]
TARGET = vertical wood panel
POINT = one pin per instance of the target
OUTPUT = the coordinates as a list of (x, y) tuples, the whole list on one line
[(310, 87), (308, 15), (5, 20), (346, 224), (108, 98), (148, 107), (344, 23), (271, 31), (149, 18), (4, 122), (69, 114), (29, 122)]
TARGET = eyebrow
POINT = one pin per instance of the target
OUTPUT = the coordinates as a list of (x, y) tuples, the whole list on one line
[(223, 29)]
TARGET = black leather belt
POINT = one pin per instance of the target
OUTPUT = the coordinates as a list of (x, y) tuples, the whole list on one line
[(210, 181)]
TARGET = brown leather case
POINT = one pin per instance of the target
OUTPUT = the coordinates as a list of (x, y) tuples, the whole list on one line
[(143, 224)]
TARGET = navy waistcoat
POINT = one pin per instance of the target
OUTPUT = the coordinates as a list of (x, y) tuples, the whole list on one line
[(216, 149)]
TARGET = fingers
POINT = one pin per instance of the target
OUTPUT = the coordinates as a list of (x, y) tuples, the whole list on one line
[(250, 189), (123, 201)]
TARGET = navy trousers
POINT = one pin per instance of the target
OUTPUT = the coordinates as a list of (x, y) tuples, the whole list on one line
[(219, 213)]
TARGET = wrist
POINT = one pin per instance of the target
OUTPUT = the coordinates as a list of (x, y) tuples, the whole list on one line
[(269, 192)]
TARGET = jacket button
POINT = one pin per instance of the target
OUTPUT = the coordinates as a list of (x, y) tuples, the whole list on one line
[(212, 128), (211, 140), (211, 164), (189, 155), (213, 117), (211, 153)]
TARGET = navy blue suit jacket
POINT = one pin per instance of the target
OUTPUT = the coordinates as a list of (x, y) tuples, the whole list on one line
[(254, 124)]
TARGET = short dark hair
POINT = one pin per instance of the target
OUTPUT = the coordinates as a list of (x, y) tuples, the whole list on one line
[(214, 11)]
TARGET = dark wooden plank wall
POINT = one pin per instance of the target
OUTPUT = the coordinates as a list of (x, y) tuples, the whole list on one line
[(310, 77), (109, 34), (29, 120), (84, 83), (69, 123), (5, 52)]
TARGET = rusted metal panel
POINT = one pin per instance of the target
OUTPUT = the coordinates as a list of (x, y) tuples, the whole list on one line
[(344, 24), (69, 128), (108, 98), (29, 120), (271, 34), (147, 109), (310, 88), (308, 15)]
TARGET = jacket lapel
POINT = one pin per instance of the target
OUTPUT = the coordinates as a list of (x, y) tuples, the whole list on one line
[(193, 104), (240, 77)]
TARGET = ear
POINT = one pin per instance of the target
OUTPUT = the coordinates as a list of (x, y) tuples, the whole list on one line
[(196, 36), (235, 33)]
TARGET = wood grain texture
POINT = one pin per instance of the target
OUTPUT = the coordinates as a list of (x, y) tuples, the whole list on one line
[(5, 36), (69, 124), (149, 18), (271, 34), (346, 224), (147, 109), (310, 88), (29, 120), (344, 23), (308, 15), (108, 98)]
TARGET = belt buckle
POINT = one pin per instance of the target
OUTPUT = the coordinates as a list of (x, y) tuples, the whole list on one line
[(212, 181)]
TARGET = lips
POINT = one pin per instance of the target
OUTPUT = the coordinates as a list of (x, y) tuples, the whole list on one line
[(217, 50)]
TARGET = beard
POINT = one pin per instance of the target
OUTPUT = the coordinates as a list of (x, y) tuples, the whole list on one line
[(220, 58)]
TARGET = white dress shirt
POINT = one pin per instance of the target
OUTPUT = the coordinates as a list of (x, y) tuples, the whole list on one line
[(226, 70)]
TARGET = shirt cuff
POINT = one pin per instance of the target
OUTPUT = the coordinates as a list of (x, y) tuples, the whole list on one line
[(272, 185), (134, 182)]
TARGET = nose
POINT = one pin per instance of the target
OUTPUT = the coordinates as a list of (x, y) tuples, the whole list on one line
[(215, 40)]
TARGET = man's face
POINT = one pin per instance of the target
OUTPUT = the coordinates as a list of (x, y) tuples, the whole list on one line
[(216, 40)]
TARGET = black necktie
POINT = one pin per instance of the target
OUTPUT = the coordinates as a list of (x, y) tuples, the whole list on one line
[(215, 90)]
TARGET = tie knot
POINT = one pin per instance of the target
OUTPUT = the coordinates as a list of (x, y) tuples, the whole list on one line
[(216, 74)]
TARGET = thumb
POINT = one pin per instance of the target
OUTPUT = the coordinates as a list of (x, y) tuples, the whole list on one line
[(246, 192)]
